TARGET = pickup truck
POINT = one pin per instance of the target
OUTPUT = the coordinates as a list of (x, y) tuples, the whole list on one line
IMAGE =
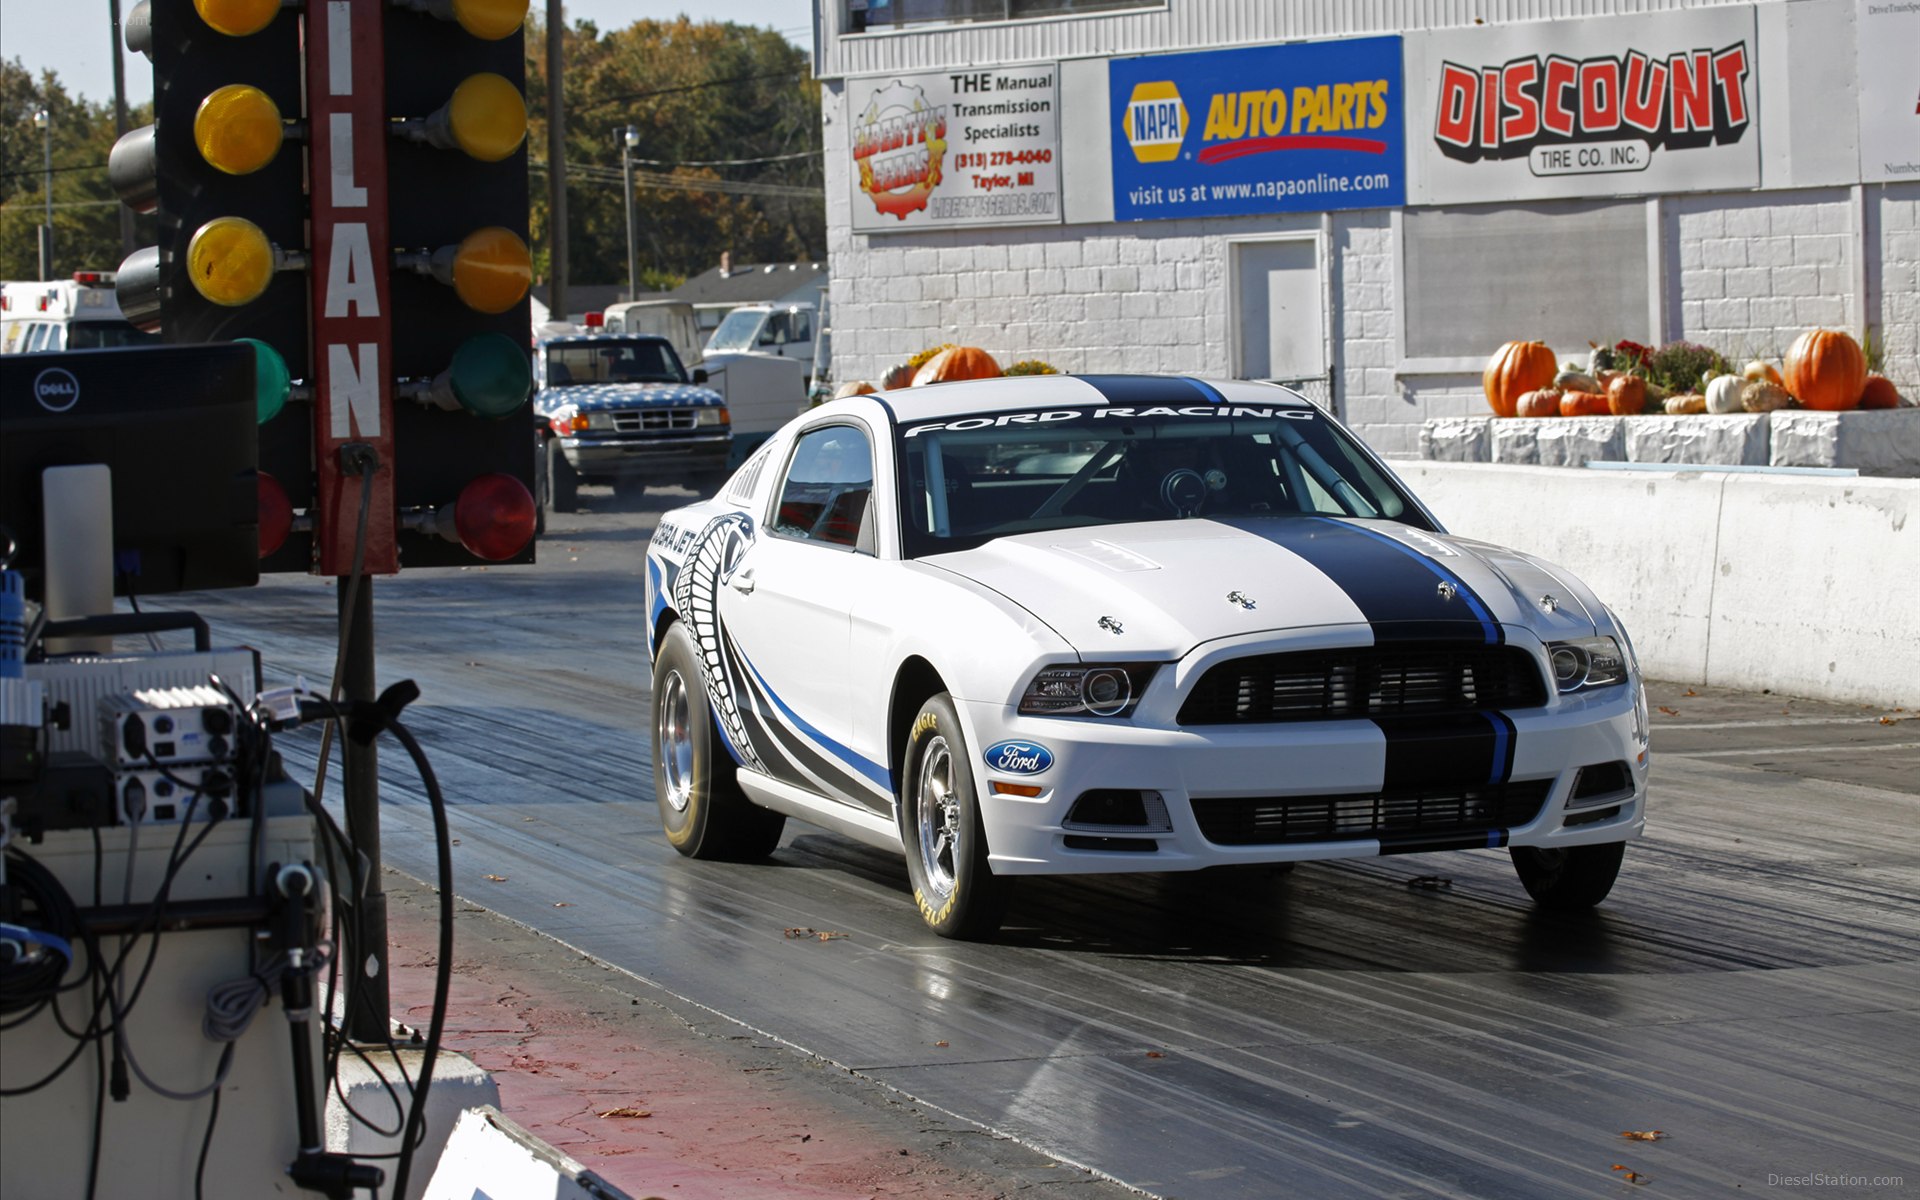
[(621, 409)]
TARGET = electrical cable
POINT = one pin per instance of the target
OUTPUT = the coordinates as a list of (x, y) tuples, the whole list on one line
[(443, 970), (348, 601)]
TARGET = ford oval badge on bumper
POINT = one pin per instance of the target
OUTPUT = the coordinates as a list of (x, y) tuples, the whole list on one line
[(1018, 758)]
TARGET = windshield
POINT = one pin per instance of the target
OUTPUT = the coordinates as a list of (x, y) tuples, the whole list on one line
[(103, 335), (736, 332), (968, 480), (610, 361)]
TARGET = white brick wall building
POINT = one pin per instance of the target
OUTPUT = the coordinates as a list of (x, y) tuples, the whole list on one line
[(1813, 243)]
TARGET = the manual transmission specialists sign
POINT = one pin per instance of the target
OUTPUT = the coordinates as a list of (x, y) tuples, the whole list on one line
[(1266, 129), (955, 148), (1611, 106)]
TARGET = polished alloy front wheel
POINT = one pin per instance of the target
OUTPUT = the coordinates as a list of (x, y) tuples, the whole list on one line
[(675, 739), (940, 826)]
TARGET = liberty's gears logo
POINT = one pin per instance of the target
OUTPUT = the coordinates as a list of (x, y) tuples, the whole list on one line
[(900, 148)]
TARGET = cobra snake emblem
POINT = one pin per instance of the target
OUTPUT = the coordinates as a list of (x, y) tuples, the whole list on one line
[(709, 563)]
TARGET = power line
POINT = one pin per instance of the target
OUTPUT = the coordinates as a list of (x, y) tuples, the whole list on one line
[(595, 173), (685, 87)]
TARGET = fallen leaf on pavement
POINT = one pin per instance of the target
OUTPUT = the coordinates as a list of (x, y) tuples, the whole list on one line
[(1629, 1175), (498, 878), (1691, 692), (626, 1110), (563, 904), (1672, 712), (940, 1044), (1155, 1054), (1430, 883), (1642, 1135), (825, 935)]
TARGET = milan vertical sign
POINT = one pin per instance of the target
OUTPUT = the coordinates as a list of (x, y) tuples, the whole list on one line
[(352, 328)]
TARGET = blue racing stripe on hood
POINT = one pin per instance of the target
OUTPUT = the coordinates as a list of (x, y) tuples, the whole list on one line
[(1396, 587)]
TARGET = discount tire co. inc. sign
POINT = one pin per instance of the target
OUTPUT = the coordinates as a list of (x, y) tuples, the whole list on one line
[(1616, 105)]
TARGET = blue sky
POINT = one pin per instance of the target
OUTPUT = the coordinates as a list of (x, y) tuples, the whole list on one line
[(73, 38)]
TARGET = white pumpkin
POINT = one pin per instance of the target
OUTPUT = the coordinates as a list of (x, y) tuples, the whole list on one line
[(1723, 394)]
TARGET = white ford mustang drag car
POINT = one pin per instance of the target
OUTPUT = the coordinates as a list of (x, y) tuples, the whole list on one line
[(1059, 625)]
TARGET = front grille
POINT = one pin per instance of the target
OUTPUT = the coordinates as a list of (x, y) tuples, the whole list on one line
[(1428, 813), (654, 420), (1365, 681)]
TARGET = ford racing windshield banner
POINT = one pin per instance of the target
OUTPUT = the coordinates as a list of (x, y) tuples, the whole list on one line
[(1610, 106), (1305, 127)]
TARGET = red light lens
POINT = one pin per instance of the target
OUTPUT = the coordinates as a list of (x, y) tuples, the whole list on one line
[(276, 515), (494, 517), (596, 320)]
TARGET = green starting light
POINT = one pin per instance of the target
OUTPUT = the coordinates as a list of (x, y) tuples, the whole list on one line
[(490, 375), (272, 382)]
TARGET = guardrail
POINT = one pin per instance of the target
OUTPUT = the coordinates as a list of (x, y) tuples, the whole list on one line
[(1807, 585)]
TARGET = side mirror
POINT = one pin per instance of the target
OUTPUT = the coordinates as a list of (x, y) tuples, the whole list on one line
[(699, 374)]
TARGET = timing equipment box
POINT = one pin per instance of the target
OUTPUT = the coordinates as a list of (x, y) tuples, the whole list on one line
[(167, 726), (165, 797), (81, 683)]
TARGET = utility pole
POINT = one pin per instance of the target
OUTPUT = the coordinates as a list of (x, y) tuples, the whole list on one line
[(43, 121), (127, 245), (556, 163), (628, 141)]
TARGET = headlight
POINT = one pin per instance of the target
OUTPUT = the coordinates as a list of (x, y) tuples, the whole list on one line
[(1586, 663), (1086, 689), (710, 416)]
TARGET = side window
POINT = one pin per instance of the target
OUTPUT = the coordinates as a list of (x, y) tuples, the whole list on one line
[(774, 332), (828, 482), (802, 328)]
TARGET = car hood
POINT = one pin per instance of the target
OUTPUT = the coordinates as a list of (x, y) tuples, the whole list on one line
[(1158, 589), (591, 397)]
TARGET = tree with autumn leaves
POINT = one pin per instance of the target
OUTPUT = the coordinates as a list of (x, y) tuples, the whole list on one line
[(727, 156)]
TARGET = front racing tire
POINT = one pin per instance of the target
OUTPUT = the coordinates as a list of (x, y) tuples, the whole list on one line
[(1575, 877), (702, 809), (953, 885)]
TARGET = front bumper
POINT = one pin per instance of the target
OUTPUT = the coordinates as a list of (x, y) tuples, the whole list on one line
[(1032, 836), (637, 454)]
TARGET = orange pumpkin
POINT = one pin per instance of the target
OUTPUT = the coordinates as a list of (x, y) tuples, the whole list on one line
[(1541, 402), (1514, 370), (957, 362), (1583, 404), (899, 377), (858, 387), (1826, 371), (1879, 393), (1627, 396)]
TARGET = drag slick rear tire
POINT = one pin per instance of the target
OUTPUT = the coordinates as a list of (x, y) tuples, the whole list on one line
[(702, 809), (946, 844), (1575, 877)]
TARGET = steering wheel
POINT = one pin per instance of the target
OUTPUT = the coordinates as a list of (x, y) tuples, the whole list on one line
[(1183, 492)]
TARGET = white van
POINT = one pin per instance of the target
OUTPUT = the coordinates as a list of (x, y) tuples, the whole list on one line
[(785, 330), (670, 319), (81, 313)]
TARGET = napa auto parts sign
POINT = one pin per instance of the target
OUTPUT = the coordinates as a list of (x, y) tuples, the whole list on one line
[(1611, 106), (955, 148), (1264, 129)]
